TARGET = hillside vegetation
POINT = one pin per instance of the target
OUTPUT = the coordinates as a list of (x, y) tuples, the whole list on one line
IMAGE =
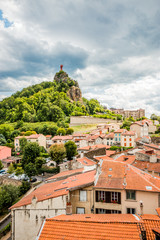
[(47, 101)]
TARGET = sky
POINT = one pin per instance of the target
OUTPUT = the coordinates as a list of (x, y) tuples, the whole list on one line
[(112, 47)]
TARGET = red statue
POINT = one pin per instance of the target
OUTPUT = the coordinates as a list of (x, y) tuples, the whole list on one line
[(61, 66)]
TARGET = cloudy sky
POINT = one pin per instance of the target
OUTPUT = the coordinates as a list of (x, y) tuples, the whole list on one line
[(112, 47)]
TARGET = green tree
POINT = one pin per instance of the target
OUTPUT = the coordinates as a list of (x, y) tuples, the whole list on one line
[(2, 140), (57, 152), (30, 169), (39, 161), (1, 165), (11, 169), (23, 143), (71, 149), (19, 171), (61, 131), (24, 187), (8, 195), (69, 131), (30, 152)]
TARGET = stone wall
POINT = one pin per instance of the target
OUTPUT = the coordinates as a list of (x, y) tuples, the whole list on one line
[(5, 180), (97, 152), (77, 120)]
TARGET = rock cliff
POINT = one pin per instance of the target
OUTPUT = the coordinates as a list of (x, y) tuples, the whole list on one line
[(73, 91)]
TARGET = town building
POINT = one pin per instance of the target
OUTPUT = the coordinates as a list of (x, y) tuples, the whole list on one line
[(62, 139), (38, 138), (128, 139), (140, 128), (5, 152), (129, 113)]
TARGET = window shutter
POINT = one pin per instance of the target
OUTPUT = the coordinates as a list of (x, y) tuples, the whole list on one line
[(96, 196), (108, 197), (119, 198)]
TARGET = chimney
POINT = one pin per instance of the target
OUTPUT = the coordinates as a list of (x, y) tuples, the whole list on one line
[(124, 180), (81, 154), (100, 132), (68, 208)]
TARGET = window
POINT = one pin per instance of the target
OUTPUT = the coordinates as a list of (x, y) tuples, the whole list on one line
[(130, 139), (130, 144), (131, 210), (124, 139), (80, 210), (131, 194), (125, 144), (119, 139), (104, 211), (82, 196), (115, 134), (101, 196), (119, 134), (115, 139), (114, 197)]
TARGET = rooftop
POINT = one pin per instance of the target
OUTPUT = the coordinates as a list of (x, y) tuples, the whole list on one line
[(92, 227), (119, 175)]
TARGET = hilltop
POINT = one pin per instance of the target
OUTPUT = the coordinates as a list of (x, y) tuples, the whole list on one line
[(48, 101)]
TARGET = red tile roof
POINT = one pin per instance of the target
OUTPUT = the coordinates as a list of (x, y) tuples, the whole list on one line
[(92, 227), (59, 188), (119, 175), (150, 222), (89, 148), (129, 159), (104, 158), (65, 174), (2, 147), (144, 165), (120, 131), (86, 161), (110, 135), (128, 133), (33, 136), (62, 138)]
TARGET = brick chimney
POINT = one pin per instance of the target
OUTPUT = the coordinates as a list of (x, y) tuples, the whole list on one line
[(68, 208)]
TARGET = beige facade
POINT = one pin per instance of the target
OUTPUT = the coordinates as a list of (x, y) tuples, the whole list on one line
[(130, 113), (27, 220), (128, 140), (79, 204), (140, 129), (39, 138), (144, 203)]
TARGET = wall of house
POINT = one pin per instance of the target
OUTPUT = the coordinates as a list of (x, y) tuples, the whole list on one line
[(75, 200), (5, 152), (127, 141), (16, 144), (136, 128), (149, 199), (27, 220)]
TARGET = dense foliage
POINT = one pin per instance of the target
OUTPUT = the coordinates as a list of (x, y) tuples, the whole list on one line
[(47, 101)]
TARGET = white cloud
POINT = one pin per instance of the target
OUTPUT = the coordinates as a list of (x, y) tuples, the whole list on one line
[(110, 47)]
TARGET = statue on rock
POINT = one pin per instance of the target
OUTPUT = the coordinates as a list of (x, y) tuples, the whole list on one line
[(61, 67)]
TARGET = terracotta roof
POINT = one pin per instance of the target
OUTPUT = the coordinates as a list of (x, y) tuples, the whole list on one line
[(110, 152), (2, 147), (144, 165), (33, 136), (110, 135), (129, 159), (92, 227), (150, 222), (104, 158), (62, 138), (120, 131), (89, 148), (44, 192), (158, 211), (65, 174), (86, 161), (119, 175), (128, 133), (59, 188)]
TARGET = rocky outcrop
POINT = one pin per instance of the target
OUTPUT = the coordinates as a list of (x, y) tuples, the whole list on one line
[(74, 92)]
